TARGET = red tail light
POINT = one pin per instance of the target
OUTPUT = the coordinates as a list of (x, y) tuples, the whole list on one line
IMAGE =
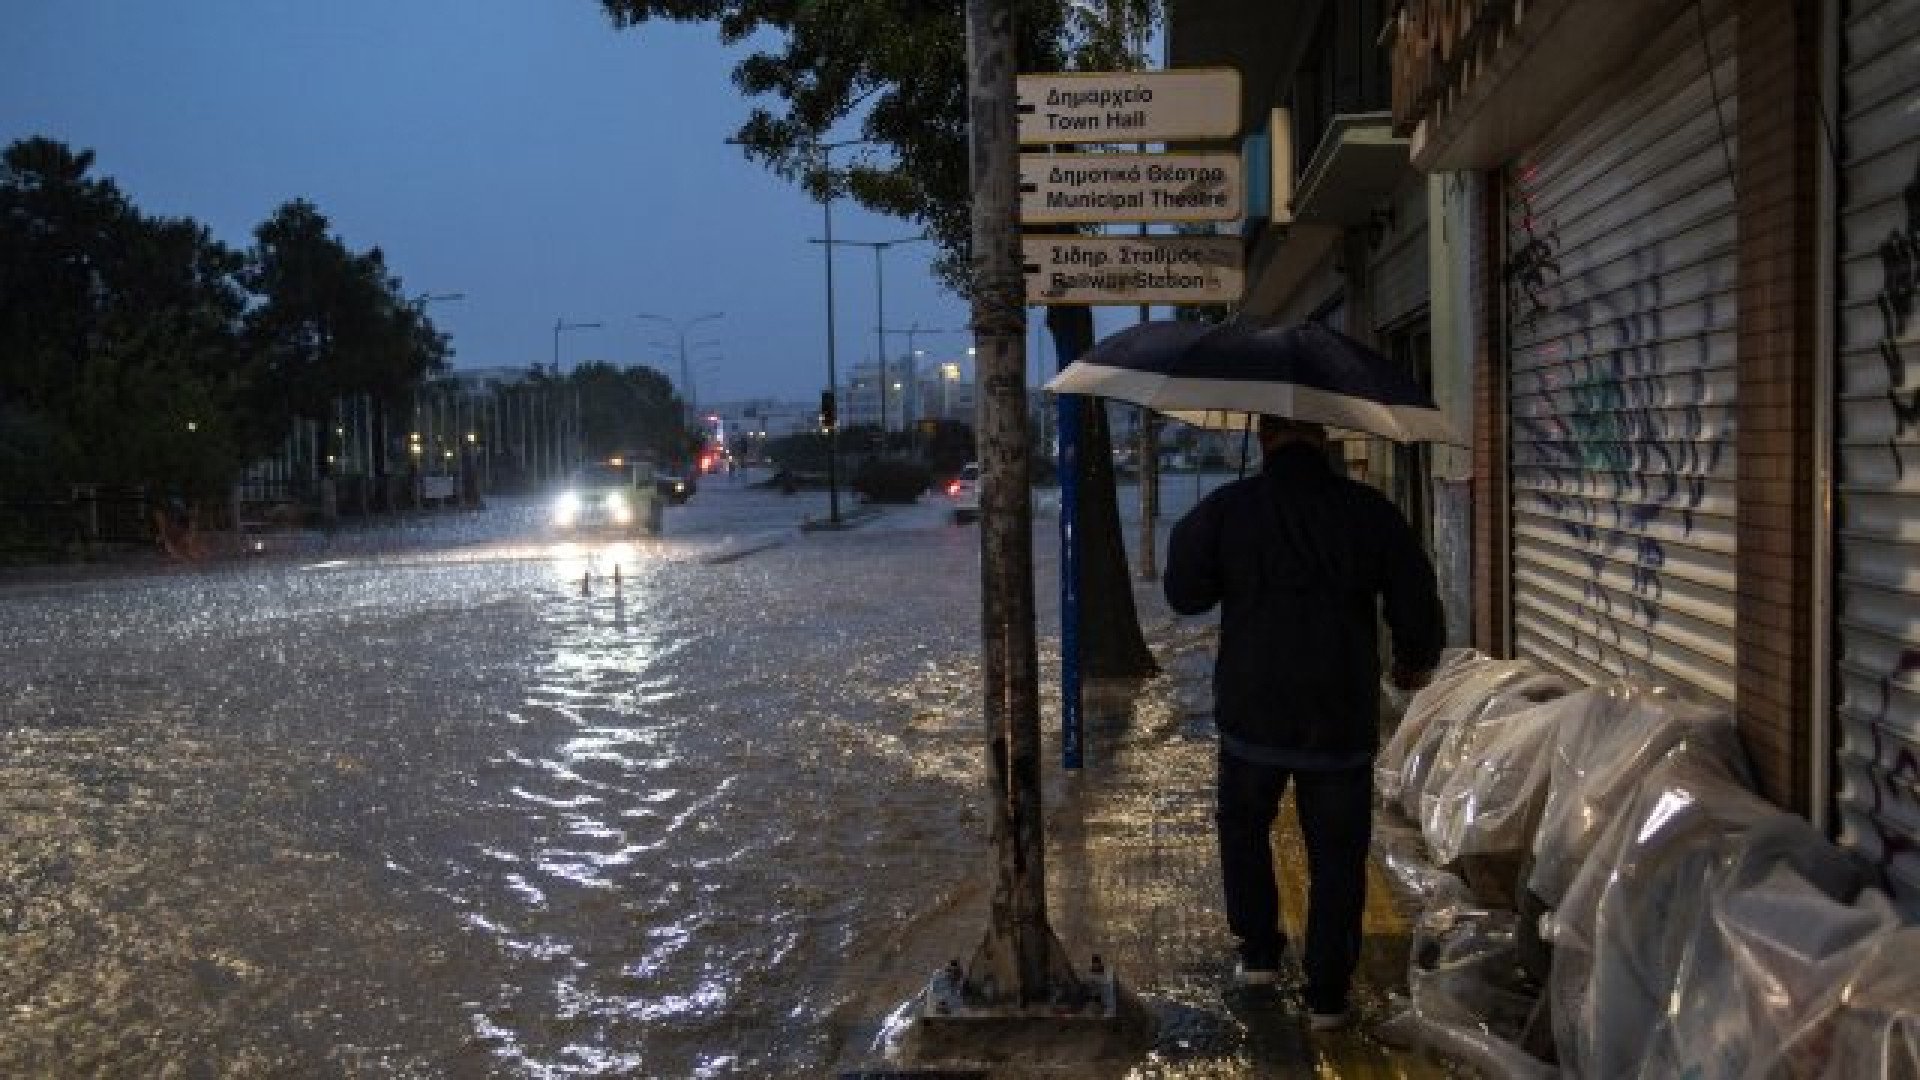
[(953, 487)]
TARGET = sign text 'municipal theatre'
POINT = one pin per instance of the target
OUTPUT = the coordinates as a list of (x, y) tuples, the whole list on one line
[(1130, 187)]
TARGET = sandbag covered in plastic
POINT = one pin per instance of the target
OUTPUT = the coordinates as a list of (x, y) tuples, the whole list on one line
[(1463, 752), (1468, 700), (1491, 805), (1873, 1029), (1455, 667), (1623, 926), (1603, 752), (1465, 997), (1785, 926)]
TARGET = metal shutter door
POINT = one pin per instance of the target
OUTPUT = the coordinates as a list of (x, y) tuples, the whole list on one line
[(1620, 302), (1877, 512)]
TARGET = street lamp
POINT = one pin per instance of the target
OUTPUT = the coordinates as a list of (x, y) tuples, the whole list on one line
[(560, 325), (880, 308), (686, 377), (824, 151), (913, 331)]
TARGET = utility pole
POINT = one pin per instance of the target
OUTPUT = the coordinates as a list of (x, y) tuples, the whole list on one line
[(1020, 964)]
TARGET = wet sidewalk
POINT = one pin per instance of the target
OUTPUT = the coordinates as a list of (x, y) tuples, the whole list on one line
[(1133, 876)]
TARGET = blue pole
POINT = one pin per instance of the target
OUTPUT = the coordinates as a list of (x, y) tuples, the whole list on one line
[(1072, 724), (1072, 743)]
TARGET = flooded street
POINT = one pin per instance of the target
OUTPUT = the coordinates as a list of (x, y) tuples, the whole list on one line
[(415, 804)]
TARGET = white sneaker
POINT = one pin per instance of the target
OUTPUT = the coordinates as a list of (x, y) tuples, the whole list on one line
[(1329, 1021)]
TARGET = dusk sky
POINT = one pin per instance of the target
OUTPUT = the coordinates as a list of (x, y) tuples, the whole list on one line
[(521, 152)]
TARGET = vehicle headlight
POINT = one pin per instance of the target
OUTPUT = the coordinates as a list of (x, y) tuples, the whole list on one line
[(566, 509), (619, 509)]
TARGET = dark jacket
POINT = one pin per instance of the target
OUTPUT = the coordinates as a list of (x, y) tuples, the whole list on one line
[(1300, 560)]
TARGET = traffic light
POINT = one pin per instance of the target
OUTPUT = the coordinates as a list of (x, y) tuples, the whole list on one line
[(827, 419)]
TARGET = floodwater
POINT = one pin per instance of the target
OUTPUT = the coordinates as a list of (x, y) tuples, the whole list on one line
[(442, 801)]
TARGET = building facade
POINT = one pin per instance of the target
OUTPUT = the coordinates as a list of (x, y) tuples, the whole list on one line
[(1658, 262)]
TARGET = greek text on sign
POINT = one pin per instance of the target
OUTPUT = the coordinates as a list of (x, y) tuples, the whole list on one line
[(1177, 104), (1130, 187), (1122, 270)]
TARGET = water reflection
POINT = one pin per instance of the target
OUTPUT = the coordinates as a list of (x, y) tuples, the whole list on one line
[(431, 811)]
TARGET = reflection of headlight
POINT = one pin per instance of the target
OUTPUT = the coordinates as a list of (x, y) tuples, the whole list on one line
[(566, 508), (679, 489), (619, 509)]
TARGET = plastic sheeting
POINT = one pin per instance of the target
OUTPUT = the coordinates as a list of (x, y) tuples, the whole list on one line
[(1465, 746), (1711, 935), (1698, 931), (1444, 722), (1465, 996), (1625, 922), (1609, 738), (1455, 668), (1873, 1030), (1491, 805)]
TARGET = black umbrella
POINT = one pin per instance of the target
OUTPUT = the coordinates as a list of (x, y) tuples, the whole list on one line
[(1217, 376)]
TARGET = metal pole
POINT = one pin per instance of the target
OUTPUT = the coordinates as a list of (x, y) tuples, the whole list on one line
[(686, 379), (833, 376), (880, 336), (1149, 452)]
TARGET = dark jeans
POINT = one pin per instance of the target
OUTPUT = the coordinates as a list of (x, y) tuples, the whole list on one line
[(1336, 820)]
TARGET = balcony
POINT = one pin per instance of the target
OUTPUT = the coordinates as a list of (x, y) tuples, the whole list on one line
[(1475, 81), (1357, 164)]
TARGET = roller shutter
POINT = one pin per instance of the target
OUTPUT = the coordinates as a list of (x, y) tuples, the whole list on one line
[(1620, 312), (1877, 428)]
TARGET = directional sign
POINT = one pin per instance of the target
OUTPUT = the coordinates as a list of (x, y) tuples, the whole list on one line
[(1130, 187), (1175, 105), (1125, 270)]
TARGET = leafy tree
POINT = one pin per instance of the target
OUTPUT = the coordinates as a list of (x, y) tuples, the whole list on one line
[(331, 323), (800, 452), (139, 350), (898, 67), (632, 411), (119, 352)]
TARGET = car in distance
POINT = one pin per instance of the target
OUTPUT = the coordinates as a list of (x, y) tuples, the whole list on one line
[(964, 490), (600, 498)]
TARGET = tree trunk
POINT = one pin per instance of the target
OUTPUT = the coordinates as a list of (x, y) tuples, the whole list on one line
[(1111, 644), (1020, 964)]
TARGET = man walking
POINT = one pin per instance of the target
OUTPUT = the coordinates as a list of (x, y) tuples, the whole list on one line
[(1302, 562)]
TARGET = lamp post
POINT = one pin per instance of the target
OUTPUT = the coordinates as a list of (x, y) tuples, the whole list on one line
[(560, 431), (880, 309), (913, 331), (824, 150), (689, 408), (560, 325)]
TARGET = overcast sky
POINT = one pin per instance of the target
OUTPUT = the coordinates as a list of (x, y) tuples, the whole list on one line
[(521, 152)]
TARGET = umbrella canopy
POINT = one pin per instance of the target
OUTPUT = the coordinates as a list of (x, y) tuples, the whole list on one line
[(1216, 376)]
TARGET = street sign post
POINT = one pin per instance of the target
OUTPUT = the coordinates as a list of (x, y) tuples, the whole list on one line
[(1131, 187), (1174, 105), (1119, 270)]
